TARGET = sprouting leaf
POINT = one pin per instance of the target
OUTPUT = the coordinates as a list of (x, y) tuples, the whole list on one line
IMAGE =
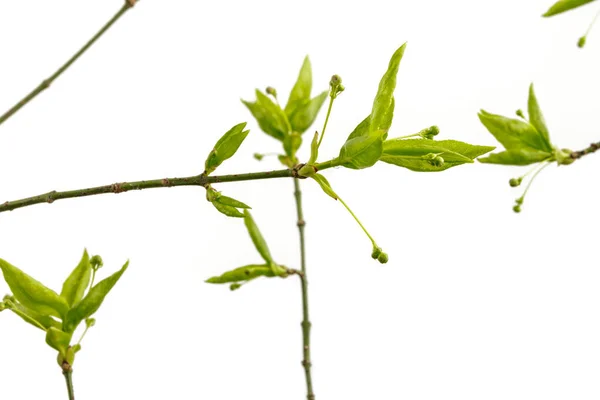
[(225, 205), (58, 340), (324, 183), (32, 294), (565, 5), (227, 210), (92, 301), (75, 285), (257, 238), (302, 88), (270, 117), (536, 118), (514, 133), (516, 157), (226, 147), (244, 273), (425, 155), (291, 144), (306, 112), (383, 105), (40, 321), (361, 149), (228, 201)]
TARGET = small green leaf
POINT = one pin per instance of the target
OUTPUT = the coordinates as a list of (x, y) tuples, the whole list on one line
[(302, 88), (43, 322), (516, 157), (226, 147), (565, 5), (422, 155), (227, 210), (361, 150), (32, 294), (291, 144), (270, 117), (536, 118), (257, 238), (58, 340), (306, 112), (314, 149), (92, 301), (513, 133), (75, 285), (383, 105), (228, 201), (324, 183), (244, 273)]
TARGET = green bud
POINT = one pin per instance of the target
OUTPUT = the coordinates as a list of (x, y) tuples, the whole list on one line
[(383, 258), (96, 262), (430, 132), (519, 201), (259, 156), (581, 42), (90, 322), (437, 161), (76, 348), (234, 286), (271, 90), (520, 113), (517, 208), (376, 253), (563, 157), (336, 86), (514, 182), (2, 306), (70, 356)]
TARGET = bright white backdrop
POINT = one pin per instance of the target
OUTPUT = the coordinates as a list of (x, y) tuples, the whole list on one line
[(475, 303)]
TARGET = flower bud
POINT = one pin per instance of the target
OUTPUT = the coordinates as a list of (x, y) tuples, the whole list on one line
[(259, 156), (90, 322), (438, 161), (581, 42), (517, 208), (383, 258), (514, 182), (96, 262), (376, 253), (336, 86), (520, 113), (234, 286)]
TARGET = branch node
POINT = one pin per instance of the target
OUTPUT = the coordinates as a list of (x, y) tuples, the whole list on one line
[(116, 188), (166, 182), (50, 197), (131, 3)]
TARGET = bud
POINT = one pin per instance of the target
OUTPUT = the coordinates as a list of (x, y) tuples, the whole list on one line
[(70, 356), (234, 286), (271, 90), (90, 322), (430, 132), (437, 161), (514, 182), (336, 86), (383, 258), (96, 262), (517, 208), (376, 252), (520, 113), (563, 157), (581, 42), (259, 156), (2, 306)]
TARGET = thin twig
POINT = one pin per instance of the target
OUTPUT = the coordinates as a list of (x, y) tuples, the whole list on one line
[(47, 82), (591, 149), (197, 180), (306, 324), (68, 373)]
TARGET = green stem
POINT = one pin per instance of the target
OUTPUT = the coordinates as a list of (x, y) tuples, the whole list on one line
[(47, 82), (331, 98), (328, 164), (68, 373), (359, 223), (306, 324), (197, 180)]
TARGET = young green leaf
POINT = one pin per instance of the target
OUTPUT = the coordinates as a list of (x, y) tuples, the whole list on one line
[(244, 273), (58, 340), (226, 147), (415, 154), (536, 118), (40, 321), (516, 157), (228, 201), (225, 205), (324, 183), (306, 112), (75, 285), (32, 294), (513, 133), (92, 301), (301, 91), (291, 144), (230, 211), (361, 150), (565, 5), (270, 117), (257, 238)]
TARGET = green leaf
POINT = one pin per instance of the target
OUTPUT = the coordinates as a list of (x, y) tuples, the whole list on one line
[(383, 105), (43, 322), (226, 147), (227, 210), (32, 294), (58, 340), (75, 285), (270, 117), (516, 157), (257, 238), (565, 5), (536, 118), (306, 112), (324, 183), (92, 301), (415, 154), (302, 88), (291, 144), (244, 273), (362, 149), (228, 201), (513, 133)]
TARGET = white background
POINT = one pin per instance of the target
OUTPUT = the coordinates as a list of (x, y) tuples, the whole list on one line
[(476, 301)]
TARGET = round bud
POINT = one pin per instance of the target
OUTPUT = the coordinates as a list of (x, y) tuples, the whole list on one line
[(514, 182), (271, 90), (335, 81), (258, 156), (517, 208), (383, 258), (96, 262), (376, 253), (581, 42), (520, 113), (234, 286), (438, 161), (90, 322)]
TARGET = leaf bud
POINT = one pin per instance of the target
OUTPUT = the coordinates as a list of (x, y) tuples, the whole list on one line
[(383, 258), (235, 286), (563, 157), (259, 156), (376, 252), (517, 208), (514, 182), (70, 356), (581, 42), (336, 86), (271, 90), (519, 201), (96, 262), (520, 113)]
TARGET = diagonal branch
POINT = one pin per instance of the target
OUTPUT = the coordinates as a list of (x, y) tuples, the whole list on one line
[(47, 82), (591, 149)]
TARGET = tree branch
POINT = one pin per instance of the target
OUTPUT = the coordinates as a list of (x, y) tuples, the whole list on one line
[(47, 82), (591, 149)]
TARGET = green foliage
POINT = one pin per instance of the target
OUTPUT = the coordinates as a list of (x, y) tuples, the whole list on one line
[(58, 315), (225, 205), (270, 117), (225, 147), (565, 5)]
